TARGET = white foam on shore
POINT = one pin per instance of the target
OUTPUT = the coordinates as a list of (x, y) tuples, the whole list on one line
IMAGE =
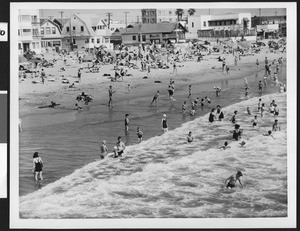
[(160, 179)]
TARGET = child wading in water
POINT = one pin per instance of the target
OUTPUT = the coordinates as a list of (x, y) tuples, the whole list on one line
[(139, 134)]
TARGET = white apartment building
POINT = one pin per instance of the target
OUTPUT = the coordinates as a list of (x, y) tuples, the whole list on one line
[(224, 22), (29, 37), (168, 15)]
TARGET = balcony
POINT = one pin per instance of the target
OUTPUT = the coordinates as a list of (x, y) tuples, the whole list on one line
[(35, 23)]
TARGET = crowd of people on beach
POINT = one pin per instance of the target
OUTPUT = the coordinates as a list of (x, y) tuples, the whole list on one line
[(127, 60)]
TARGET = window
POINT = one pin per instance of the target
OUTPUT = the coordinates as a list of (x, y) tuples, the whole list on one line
[(26, 30), (204, 23), (48, 30), (68, 29), (144, 38), (192, 24), (20, 46), (133, 37), (74, 41), (68, 40), (106, 40), (56, 43), (81, 28), (19, 33), (42, 30), (33, 45), (98, 40), (74, 28), (92, 40), (53, 30), (37, 45), (49, 44)]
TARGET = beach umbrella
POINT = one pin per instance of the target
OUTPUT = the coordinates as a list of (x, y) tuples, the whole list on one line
[(262, 44), (22, 59)]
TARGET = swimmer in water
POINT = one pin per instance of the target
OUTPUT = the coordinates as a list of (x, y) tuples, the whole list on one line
[(225, 146), (190, 137), (248, 111), (276, 126), (269, 134), (230, 182), (243, 143), (103, 149)]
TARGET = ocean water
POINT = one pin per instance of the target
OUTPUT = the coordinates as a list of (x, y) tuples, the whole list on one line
[(163, 176)]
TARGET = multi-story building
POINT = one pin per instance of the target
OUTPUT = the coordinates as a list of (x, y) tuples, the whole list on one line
[(149, 16), (50, 36), (29, 38), (85, 31), (169, 15), (270, 25), (228, 25)]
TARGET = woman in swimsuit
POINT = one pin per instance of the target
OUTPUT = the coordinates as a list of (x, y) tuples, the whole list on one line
[(37, 166), (231, 181)]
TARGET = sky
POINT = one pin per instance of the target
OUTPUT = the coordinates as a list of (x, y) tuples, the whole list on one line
[(118, 14)]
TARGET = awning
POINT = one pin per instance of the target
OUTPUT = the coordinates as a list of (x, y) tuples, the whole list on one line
[(222, 19)]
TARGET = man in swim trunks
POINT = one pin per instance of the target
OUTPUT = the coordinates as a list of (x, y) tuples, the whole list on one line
[(126, 122), (230, 182), (110, 93), (276, 126), (164, 123), (103, 149), (155, 98)]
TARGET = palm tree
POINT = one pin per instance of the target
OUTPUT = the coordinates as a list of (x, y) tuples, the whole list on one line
[(245, 25), (191, 11), (179, 13)]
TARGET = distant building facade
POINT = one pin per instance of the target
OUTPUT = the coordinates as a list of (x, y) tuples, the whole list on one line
[(85, 31), (29, 37), (270, 25), (228, 25), (169, 15), (149, 16), (50, 36), (153, 33)]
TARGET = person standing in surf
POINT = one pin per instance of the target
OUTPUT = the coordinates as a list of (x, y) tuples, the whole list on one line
[(164, 123), (155, 98), (37, 166), (119, 148), (212, 116), (230, 182), (190, 137), (126, 122), (139, 134), (190, 91), (110, 93), (237, 132), (103, 149)]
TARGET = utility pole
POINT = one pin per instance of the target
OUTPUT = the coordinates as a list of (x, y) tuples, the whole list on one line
[(126, 19), (259, 10), (108, 15)]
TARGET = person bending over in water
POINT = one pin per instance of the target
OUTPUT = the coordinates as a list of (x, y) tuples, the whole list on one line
[(103, 149), (269, 134), (190, 137), (230, 182), (37, 166), (225, 146), (237, 132)]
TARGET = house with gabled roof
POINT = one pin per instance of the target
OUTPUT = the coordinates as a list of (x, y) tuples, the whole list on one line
[(80, 32), (153, 33), (51, 39)]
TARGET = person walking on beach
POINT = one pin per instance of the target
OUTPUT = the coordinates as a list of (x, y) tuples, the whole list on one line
[(79, 75), (43, 76), (103, 149), (155, 99), (174, 68), (126, 122), (164, 123), (218, 91), (190, 137), (37, 166), (257, 63), (233, 119), (227, 70), (254, 121), (110, 93), (190, 91), (230, 182), (276, 126), (139, 134)]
